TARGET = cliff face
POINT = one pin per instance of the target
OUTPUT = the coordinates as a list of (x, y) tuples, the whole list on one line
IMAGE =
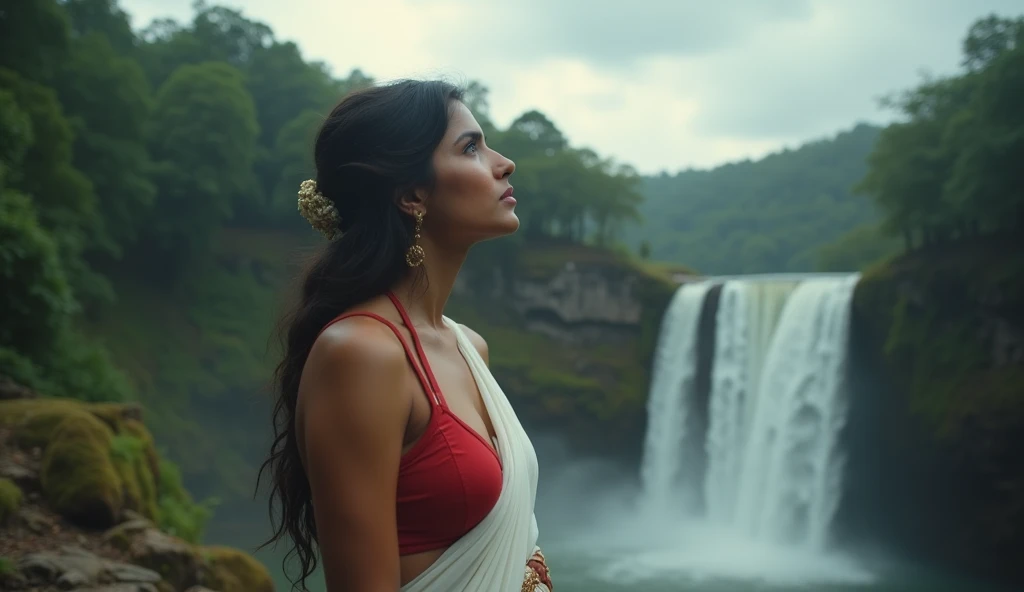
[(571, 332), (936, 431)]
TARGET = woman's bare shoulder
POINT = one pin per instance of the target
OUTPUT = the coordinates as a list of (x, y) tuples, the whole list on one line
[(356, 367)]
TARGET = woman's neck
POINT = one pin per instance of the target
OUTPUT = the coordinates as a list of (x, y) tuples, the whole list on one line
[(424, 291)]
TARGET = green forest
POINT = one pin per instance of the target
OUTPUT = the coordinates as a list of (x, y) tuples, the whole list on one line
[(769, 215), (148, 227)]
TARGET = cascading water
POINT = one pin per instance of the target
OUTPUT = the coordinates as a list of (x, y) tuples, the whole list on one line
[(674, 368), (741, 473), (776, 405), (747, 313)]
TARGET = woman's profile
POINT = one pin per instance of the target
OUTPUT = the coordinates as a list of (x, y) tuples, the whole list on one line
[(398, 462)]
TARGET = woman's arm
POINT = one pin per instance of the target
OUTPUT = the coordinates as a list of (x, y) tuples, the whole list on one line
[(354, 419)]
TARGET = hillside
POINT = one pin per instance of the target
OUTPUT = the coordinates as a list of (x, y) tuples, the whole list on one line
[(769, 215)]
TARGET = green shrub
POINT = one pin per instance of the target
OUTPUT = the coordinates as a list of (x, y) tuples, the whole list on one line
[(179, 514)]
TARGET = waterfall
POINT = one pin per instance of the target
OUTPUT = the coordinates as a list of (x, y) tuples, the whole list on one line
[(675, 363), (775, 409)]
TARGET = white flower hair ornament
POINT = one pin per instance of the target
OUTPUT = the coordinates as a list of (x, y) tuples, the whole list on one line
[(318, 210)]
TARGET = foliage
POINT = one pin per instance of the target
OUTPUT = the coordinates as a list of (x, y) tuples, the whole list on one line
[(857, 249), (769, 215), (179, 514), (201, 138), (138, 480), (951, 169), (37, 301)]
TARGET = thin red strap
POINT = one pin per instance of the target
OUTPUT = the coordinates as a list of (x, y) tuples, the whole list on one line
[(419, 348), (405, 345)]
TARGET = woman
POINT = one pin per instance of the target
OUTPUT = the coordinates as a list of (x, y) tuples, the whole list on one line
[(396, 455)]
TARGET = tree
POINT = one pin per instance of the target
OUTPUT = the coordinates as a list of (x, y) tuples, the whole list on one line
[(282, 85), (63, 196), (104, 18), (952, 168), (33, 38), (202, 138), (294, 164), (36, 299), (109, 102)]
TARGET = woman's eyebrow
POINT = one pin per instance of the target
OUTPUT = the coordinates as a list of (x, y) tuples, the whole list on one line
[(474, 135)]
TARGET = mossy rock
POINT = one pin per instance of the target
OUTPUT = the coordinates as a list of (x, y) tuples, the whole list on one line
[(232, 570), (10, 499), (33, 421), (128, 455), (78, 477), (114, 433)]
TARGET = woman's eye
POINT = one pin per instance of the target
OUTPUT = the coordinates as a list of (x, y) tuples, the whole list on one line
[(471, 147)]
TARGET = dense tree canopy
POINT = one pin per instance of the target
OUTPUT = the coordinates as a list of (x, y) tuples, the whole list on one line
[(951, 167)]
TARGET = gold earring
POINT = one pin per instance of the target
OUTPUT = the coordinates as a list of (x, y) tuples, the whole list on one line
[(414, 256)]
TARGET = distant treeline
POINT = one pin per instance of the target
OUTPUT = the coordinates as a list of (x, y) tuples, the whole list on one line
[(771, 215)]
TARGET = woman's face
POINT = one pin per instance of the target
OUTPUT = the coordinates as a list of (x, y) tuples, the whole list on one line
[(471, 200)]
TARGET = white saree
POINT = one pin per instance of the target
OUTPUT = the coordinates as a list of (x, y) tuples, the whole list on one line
[(493, 556)]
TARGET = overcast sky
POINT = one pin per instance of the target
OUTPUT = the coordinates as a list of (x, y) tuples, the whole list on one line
[(660, 84)]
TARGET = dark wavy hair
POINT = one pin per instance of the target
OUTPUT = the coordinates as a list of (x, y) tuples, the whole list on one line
[(375, 145)]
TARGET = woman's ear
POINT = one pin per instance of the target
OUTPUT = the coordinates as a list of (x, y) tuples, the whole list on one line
[(412, 201)]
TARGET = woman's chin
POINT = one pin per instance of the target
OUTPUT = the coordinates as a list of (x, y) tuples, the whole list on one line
[(504, 226), (511, 223)]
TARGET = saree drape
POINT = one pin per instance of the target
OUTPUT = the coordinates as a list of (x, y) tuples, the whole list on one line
[(493, 556)]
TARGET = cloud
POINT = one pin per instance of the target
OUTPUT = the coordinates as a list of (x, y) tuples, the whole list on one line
[(802, 79), (610, 32)]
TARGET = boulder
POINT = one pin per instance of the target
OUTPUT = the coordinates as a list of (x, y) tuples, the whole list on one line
[(178, 562), (78, 478), (73, 568)]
